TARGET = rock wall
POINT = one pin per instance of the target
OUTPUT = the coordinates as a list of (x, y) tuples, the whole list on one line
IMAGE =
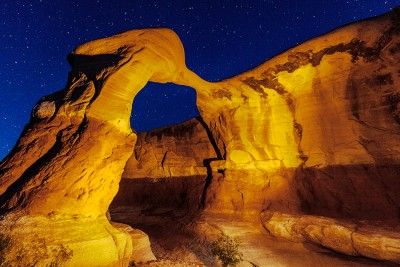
[(315, 129), (373, 241), (178, 150), (168, 168)]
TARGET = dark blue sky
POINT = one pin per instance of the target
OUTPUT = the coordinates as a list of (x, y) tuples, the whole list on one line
[(220, 39)]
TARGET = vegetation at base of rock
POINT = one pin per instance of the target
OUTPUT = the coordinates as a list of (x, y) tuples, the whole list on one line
[(227, 250)]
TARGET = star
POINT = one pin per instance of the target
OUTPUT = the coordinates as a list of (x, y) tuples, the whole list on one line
[(221, 39)]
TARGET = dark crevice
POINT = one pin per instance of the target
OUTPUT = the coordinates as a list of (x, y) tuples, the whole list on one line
[(163, 159), (207, 162), (93, 66), (394, 105), (210, 137)]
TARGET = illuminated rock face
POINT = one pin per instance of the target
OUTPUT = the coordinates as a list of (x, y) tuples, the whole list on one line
[(167, 168), (313, 130), (373, 241), (66, 167), (171, 151)]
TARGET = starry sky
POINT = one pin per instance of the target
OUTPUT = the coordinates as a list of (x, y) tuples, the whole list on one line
[(221, 39)]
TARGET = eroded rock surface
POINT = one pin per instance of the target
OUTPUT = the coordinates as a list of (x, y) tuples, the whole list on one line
[(167, 171), (346, 237), (314, 130), (67, 164), (168, 168), (171, 151)]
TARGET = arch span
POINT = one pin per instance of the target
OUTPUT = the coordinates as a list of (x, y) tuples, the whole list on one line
[(66, 167), (313, 130)]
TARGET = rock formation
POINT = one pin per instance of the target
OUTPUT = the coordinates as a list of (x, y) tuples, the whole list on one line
[(171, 151), (167, 168), (373, 241), (312, 131), (58, 182)]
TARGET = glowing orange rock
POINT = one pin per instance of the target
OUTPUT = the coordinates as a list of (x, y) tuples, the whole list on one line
[(313, 130), (57, 183), (167, 169), (341, 236)]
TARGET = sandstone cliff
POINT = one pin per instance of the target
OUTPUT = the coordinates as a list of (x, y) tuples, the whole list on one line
[(168, 168), (171, 151), (315, 129)]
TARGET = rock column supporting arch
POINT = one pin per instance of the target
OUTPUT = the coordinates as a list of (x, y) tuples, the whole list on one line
[(58, 182)]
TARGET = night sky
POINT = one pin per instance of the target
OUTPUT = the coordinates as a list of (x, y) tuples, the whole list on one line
[(220, 39)]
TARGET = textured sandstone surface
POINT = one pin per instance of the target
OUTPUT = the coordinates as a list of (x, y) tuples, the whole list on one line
[(314, 130), (167, 169), (66, 167), (141, 246), (175, 244), (40, 241), (171, 151), (341, 236)]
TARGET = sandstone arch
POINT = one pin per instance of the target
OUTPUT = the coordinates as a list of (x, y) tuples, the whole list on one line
[(60, 175), (269, 125)]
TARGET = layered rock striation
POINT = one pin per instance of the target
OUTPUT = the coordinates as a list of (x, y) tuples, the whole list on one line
[(315, 130)]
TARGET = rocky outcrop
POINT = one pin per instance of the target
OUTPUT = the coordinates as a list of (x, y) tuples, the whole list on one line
[(168, 168), (341, 236), (179, 150), (141, 248), (66, 167), (314, 130)]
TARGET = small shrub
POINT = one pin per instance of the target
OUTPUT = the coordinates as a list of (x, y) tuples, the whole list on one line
[(227, 250)]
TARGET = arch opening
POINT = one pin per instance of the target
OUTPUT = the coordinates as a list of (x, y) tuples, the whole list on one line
[(166, 174), (161, 105)]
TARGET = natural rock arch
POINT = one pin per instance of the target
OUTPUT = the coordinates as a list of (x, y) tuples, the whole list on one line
[(60, 175), (277, 153)]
